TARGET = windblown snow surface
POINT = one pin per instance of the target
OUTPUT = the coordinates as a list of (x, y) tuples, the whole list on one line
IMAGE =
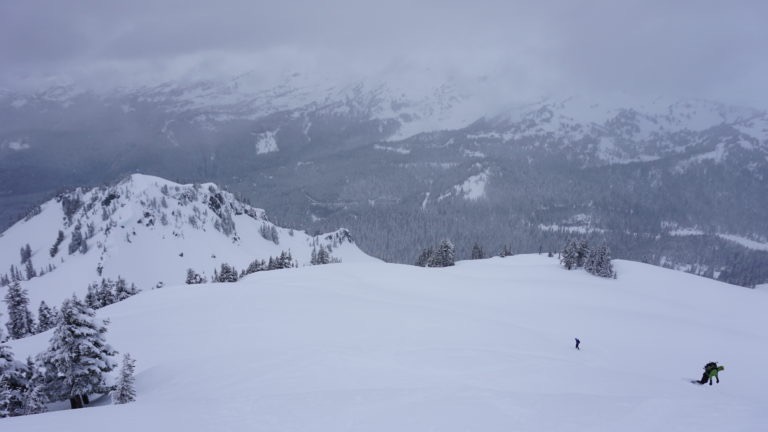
[(487, 345)]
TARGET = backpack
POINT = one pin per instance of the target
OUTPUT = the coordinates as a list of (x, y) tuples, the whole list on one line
[(709, 366)]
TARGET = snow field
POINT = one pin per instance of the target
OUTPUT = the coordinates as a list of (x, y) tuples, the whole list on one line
[(486, 345)]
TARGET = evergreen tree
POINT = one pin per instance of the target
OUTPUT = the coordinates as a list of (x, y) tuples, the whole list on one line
[(582, 252), (124, 391), (227, 273), (123, 291), (92, 297), (20, 322), (323, 257), (255, 266), (26, 253), (30, 269), (590, 261), (194, 277), (444, 256), (77, 240), (568, 257), (15, 274), (13, 384), (273, 235), (505, 251), (34, 401), (286, 260), (78, 355), (477, 252), (424, 257), (600, 262), (45, 318), (106, 292), (55, 248), (313, 256), (269, 232)]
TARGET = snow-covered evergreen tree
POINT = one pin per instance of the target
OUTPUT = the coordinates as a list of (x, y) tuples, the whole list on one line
[(194, 277), (26, 253), (227, 273), (45, 318), (255, 266), (424, 257), (598, 262), (269, 232), (30, 269), (569, 255), (76, 241), (582, 252), (13, 384), (323, 257), (477, 252), (92, 297), (20, 321), (78, 356), (55, 248), (124, 391), (106, 292), (15, 274), (444, 255), (123, 291), (34, 401)]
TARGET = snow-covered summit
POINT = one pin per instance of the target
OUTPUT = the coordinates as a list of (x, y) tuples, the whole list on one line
[(150, 231)]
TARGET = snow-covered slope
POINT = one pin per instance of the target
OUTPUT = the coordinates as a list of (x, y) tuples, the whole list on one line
[(486, 345), (150, 230)]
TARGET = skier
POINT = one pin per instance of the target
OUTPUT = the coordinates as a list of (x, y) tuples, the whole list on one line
[(577, 343), (711, 370)]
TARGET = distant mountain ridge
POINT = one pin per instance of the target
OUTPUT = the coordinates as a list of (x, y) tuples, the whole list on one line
[(404, 165)]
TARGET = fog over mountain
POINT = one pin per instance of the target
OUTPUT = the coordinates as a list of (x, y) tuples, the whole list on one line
[(506, 124), (681, 49)]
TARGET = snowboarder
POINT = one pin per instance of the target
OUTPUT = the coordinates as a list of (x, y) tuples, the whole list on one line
[(577, 343), (711, 370)]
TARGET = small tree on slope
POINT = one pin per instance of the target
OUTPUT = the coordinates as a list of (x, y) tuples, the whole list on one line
[(227, 273), (20, 322), (477, 252), (598, 262), (123, 291), (124, 391), (46, 319), (444, 256), (78, 355), (13, 384), (569, 255), (34, 397)]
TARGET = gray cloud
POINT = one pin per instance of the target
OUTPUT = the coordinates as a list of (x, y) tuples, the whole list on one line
[(701, 48)]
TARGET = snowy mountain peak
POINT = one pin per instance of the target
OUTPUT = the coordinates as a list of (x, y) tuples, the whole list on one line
[(150, 231)]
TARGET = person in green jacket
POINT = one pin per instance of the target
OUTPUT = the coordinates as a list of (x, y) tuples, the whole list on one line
[(713, 373), (710, 371)]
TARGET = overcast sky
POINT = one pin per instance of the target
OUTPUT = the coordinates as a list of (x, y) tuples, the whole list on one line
[(710, 49)]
